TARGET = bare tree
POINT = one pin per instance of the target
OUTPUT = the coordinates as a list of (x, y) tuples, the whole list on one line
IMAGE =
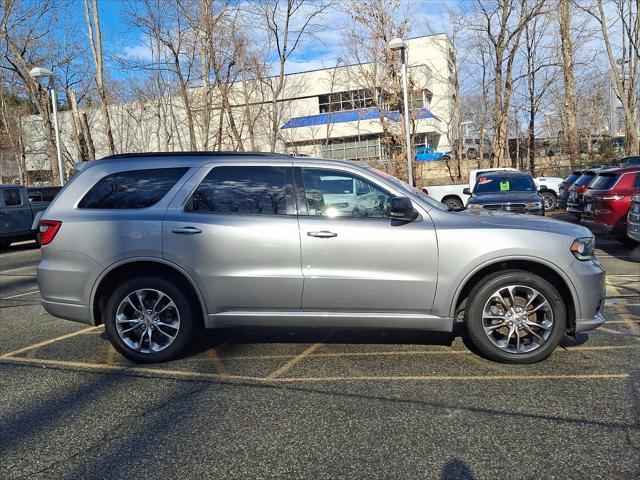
[(503, 22), (95, 40), (288, 22), (624, 62), (571, 122)]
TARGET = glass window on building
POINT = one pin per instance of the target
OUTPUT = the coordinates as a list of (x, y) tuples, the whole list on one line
[(343, 101), (353, 148)]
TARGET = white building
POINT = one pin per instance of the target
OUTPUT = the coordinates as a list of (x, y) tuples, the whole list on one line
[(333, 112)]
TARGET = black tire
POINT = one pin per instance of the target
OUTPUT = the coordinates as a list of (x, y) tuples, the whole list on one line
[(550, 199), (176, 291), (482, 293), (627, 241), (453, 202), (4, 244)]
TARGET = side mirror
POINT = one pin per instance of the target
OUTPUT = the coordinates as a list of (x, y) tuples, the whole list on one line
[(466, 191), (401, 208), (543, 188)]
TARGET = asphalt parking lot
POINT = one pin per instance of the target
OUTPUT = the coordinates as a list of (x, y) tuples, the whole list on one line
[(316, 403)]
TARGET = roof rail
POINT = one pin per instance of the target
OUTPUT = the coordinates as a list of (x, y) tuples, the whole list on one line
[(193, 154)]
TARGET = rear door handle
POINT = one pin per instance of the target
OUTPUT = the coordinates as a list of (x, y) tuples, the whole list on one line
[(187, 230), (322, 234)]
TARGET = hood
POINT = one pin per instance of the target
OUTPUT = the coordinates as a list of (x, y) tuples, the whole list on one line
[(527, 222), (513, 197)]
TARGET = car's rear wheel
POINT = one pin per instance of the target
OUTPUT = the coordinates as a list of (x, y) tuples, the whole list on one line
[(149, 319), (515, 317)]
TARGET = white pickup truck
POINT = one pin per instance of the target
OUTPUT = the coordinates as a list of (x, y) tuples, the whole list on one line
[(453, 195)]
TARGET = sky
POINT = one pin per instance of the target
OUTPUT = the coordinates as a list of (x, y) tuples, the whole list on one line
[(121, 39)]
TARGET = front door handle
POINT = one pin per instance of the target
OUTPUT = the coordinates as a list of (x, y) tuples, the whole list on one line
[(187, 230), (322, 234)]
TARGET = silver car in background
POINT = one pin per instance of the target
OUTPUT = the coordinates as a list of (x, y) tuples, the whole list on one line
[(158, 246)]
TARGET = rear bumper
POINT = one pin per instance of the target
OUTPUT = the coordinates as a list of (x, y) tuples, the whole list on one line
[(586, 324), (69, 311), (603, 228), (574, 208)]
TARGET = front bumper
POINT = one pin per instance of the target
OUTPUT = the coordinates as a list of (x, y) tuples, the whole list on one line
[(589, 279), (633, 226)]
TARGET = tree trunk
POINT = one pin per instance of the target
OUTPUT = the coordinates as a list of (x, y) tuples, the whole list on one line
[(571, 122)]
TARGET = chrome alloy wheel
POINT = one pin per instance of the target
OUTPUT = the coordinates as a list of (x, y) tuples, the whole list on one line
[(517, 319), (147, 320)]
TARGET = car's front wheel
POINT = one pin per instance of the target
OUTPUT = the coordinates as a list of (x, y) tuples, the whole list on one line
[(550, 201), (515, 317), (149, 319)]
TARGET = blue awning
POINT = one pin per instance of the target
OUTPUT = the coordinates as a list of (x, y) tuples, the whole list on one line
[(352, 116)]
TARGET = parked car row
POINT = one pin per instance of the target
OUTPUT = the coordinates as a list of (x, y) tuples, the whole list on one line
[(602, 199), (18, 208), (457, 195)]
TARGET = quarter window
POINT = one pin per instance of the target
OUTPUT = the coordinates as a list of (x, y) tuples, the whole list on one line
[(11, 197), (132, 189), (243, 191), (333, 193)]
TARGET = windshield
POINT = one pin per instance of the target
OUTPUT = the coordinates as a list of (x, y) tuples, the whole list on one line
[(407, 188), (504, 184), (604, 181)]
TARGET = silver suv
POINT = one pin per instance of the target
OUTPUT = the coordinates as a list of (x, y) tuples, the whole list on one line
[(157, 246)]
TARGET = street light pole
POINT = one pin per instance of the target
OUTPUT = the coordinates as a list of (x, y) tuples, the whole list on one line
[(37, 73), (399, 44)]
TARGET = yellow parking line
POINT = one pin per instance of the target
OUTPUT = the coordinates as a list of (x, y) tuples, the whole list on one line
[(20, 295), (473, 378), (293, 361), (180, 374), (213, 356), (48, 342)]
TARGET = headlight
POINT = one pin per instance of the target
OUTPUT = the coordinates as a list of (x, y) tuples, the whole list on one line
[(475, 206), (534, 206), (583, 248)]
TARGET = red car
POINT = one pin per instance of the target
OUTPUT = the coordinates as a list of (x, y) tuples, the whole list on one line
[(607, 202)]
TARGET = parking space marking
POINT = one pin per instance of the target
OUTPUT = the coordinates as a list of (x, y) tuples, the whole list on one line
[(439, 378), (214, 357), (17, 269), (298, 358), (186, 375), (47, 342), (20, 295)]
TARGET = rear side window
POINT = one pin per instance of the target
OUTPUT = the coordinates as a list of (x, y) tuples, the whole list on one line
[(34, 195), (132, 189), (243, 191), (49, 194), (604, 182), (11, 197)]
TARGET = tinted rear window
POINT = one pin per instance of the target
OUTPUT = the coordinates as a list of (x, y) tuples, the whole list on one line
[(243, 191), (571, 178), (584, 179), (604, 182), (132, 189)]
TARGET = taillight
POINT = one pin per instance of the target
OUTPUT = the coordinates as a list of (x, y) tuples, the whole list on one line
[(581, 189), (47, 230), (614, 197)]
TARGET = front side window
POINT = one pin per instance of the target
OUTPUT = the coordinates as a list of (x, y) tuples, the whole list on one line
[(333, 193), (243, 191), (132, 189), (11, 197)]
